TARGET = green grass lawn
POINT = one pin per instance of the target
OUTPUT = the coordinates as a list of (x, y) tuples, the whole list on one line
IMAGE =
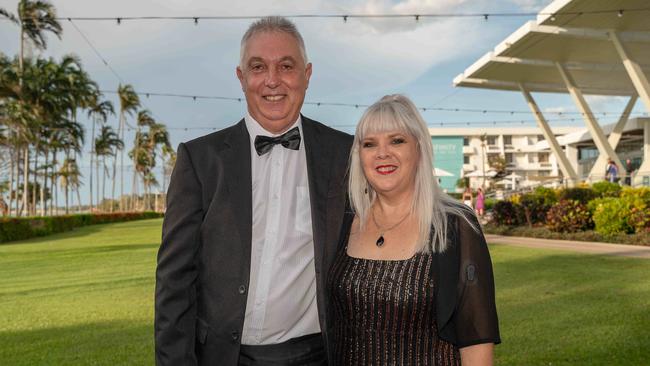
[(86, 298)]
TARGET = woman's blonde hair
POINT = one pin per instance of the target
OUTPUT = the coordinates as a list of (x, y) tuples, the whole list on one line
[(430, 204)]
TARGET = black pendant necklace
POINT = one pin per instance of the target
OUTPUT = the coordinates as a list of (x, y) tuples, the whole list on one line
[(380, 241)]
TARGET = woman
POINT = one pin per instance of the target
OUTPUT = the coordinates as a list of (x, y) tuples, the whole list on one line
[(412, 284), (467, 197), (480, 202)]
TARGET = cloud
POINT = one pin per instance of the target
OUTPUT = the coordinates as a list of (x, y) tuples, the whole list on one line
[(531, 5)]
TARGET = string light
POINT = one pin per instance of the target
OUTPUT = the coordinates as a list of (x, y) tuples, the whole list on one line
[(345, 17), (360, 105)]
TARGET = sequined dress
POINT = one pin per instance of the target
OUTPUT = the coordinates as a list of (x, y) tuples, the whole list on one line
[(384, 313)]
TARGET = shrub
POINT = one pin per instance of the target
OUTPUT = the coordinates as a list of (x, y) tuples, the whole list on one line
[(569, 216), (625, 214), (505, 213), (489, 203), (610, 215), (24, 228), (534, 208), (582, 195), (548, 194), (606, 189)]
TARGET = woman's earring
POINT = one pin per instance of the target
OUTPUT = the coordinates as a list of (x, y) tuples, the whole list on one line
[(365, 191)]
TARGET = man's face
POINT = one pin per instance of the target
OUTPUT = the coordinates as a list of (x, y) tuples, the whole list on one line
[(274, 79)]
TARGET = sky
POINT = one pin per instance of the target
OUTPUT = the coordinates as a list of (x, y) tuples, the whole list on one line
[(354, 62)]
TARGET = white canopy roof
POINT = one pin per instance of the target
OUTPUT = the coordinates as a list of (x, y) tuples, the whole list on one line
[(575, 33)]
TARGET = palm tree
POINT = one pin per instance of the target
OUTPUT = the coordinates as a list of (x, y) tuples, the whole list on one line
[(106, 145), (143, 119), (34, 18), (69, 174), (99, 112), (129, 102)]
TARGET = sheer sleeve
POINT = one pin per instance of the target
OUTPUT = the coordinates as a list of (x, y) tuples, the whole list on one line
[(475, 316)]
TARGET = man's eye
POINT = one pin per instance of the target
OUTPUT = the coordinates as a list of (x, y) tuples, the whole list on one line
[(257, 67), (286, 67)]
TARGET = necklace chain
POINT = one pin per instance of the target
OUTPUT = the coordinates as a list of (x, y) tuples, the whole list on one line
[(383, 231)]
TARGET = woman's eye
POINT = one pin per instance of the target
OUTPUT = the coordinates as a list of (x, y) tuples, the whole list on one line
[(398, 140), (367, 144)]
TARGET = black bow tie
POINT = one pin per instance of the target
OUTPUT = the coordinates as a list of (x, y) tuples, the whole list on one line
[(290, 140)]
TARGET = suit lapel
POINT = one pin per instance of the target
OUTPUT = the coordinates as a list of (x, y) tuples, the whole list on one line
[(237, 172), (318, 173)]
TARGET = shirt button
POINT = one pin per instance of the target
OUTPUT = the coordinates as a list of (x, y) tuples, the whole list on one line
[(234, 335), (242, 289)]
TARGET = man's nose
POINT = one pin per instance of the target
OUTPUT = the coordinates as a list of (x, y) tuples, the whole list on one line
[(272, 78)]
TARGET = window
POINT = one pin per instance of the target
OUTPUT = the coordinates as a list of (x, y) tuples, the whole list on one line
[(465, 159), (465, 141), (491, 140), (531, 140), (540, 137), (543, 157), (531, 158), (507, 140), (510, 159)]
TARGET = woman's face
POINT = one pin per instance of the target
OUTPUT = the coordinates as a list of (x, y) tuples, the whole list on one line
[(389, 161)]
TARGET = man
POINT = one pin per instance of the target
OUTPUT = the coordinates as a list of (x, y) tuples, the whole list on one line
[(252, 223)]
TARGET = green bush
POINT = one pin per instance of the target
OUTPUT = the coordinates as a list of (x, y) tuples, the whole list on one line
[(569, 216), (610, 215), (582, 195), (606, 189), (625, 214), (549, 195), (28, 227), (506, 213), (489, 203)]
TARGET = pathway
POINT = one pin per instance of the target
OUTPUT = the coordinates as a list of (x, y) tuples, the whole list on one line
[(621, 250)]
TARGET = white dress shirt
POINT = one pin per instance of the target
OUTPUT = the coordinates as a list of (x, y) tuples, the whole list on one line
[(281, 300)]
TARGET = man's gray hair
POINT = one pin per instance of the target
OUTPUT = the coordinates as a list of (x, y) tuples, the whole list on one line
[(272, 24)]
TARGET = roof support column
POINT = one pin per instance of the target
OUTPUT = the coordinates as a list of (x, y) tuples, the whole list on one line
[(642, 176), (604, 148), (598, 170), (563, 161), (635, 72)]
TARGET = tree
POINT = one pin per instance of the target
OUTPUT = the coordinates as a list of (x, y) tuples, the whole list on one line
[(35, 18), (106, 145), (98, 112), (69, 175), (129, 103)]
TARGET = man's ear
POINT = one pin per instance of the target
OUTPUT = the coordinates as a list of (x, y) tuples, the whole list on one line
[(240, 76), (308, 73)]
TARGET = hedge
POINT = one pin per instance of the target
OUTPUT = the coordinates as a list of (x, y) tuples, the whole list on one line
[(642, 238), (21, 228)]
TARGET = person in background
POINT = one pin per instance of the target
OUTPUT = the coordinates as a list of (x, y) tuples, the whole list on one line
[(480, 202), (611, 173), (629, 169), (467, 197), (412, 283)]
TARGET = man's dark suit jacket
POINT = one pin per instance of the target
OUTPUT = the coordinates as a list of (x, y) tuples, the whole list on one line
[(204, 260)]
